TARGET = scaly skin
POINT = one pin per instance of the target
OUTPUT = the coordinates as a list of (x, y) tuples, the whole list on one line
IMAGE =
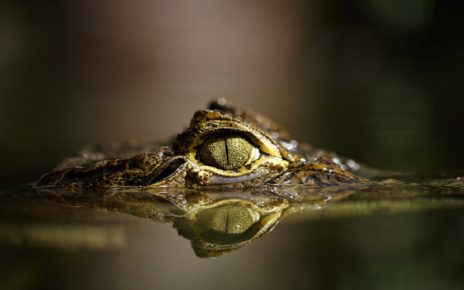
[(281, 161)]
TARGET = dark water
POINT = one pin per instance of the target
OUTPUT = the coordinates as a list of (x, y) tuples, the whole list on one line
[(406, 234)]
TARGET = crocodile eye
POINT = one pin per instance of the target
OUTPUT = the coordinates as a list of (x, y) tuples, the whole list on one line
[(228, 151)]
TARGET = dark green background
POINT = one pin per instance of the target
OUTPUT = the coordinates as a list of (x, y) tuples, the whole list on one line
[(379, 81)]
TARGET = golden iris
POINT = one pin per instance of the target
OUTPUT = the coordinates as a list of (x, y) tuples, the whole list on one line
[(227, 151)]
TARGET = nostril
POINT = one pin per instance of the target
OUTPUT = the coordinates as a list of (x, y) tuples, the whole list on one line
[(167, 170)]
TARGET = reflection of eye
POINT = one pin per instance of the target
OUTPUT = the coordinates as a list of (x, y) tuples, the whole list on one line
[(228, 151), (227, 219)]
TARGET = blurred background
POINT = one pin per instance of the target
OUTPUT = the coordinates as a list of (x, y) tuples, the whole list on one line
[(376, 80)]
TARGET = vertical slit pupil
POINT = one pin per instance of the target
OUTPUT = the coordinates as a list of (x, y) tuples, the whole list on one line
[(227, 151)]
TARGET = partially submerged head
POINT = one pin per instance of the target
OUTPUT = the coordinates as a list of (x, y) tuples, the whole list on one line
[(224, 145)]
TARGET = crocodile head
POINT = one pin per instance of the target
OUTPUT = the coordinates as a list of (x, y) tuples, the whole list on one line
[(226, 146)]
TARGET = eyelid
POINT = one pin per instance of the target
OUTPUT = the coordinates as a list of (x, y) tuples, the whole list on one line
[(264, 144), (221, 176), (205, 122), (217, 179), (255, 154)]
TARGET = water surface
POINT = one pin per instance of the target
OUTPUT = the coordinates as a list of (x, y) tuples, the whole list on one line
[(402, 233)]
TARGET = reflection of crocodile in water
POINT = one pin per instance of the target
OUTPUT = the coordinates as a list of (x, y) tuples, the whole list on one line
[(218, 221), (224, 145)]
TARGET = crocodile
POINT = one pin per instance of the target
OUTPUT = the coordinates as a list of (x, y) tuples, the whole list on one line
[(224, 146), (230, 178)]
